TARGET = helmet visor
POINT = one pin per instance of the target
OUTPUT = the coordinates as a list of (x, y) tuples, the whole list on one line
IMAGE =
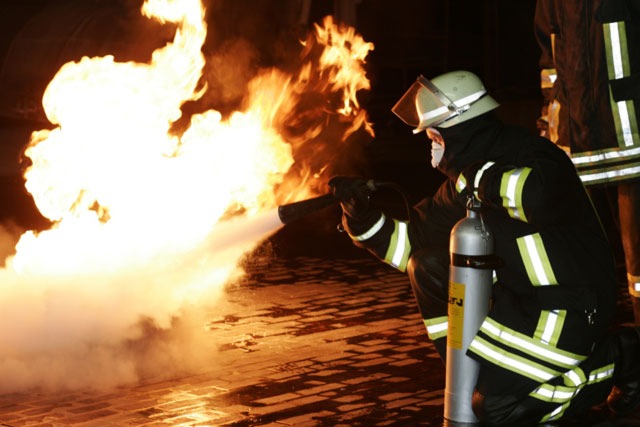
[(424, 105)]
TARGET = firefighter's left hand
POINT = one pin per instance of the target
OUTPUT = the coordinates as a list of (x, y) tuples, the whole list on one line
[(353, 194)]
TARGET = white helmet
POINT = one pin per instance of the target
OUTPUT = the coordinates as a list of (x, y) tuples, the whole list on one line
[(445, 101)]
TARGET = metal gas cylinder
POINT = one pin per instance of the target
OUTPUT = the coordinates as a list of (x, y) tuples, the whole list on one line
[(471, 248)]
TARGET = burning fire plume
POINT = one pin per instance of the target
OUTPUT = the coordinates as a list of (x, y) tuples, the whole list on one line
[(148, 225)]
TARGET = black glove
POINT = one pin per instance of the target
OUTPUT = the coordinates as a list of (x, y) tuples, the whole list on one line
[(353, 194)]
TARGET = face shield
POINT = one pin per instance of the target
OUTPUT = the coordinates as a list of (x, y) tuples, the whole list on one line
[(424, 105)]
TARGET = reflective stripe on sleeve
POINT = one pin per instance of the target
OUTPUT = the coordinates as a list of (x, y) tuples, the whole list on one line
[(536, 261), (370, 232), (399, 246), (478, 177), (511, 192), (618, 66), (634, 285), (437, 327)]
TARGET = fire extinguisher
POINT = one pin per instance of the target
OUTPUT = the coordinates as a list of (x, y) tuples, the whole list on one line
[(471, 247)]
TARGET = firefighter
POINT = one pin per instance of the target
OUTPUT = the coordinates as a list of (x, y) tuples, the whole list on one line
[(545, 350), (590, 80)]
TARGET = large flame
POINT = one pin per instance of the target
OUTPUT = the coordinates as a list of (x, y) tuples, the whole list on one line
[(140, 215)]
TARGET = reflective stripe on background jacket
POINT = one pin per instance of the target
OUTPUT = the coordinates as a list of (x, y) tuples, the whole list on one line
[(590, 79), (557, 262)]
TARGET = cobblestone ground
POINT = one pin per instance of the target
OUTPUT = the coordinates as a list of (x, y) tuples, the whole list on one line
[(302, 342)]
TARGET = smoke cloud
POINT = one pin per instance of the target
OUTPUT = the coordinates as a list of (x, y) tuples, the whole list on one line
[(113, 327)]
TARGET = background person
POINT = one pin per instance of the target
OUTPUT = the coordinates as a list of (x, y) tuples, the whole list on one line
[(590, 78)]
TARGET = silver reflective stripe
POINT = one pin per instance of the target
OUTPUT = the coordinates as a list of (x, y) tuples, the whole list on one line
[(606, 156), (370, 232), (434, 113), (519, 341), (398, 253), (549, 328), (460, 104), (511, 187), (573, 376), (616, 52), (437, 328), (476, 181), (634, 285), (551, 323), (554, 393), (619, 67), (574, 382), (556, 413), (625, 123), (601, 375), (536, 260), (510, 362), (600, 176)]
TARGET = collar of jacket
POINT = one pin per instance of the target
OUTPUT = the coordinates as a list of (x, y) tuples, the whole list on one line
[(468, 143)]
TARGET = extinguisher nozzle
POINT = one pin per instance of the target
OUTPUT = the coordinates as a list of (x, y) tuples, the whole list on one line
[(294, 211)]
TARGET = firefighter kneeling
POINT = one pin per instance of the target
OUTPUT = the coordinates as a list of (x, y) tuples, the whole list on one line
[(545, 350)]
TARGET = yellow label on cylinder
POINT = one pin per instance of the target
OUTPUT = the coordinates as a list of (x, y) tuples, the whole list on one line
[(456, 315)]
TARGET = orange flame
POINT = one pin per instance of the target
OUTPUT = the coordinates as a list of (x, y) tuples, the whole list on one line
[(137, 212)]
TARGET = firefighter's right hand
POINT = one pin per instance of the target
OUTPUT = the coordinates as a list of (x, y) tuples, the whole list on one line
[(353, 194)]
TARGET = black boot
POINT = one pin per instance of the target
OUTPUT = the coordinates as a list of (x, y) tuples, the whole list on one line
[(625, 396)]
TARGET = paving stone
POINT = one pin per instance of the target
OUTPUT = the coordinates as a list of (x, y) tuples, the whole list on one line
[(298, 342)]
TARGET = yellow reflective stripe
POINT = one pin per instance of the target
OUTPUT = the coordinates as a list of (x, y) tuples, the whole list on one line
[(597, 176), (511, 362), (565, 394), (607, 155), (616, 42), (478, 177), (634, 285), (399, 246), (626, 125), (601, 374), (618, 65), (554, 394), (550, 326), (536, 261), (548, 77), (437, 327), (461, 183), (521, 342), (511, 192), (370, 232), (574, 377), (555, 414)]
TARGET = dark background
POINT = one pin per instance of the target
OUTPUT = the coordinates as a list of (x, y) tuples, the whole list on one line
[(493, 38)]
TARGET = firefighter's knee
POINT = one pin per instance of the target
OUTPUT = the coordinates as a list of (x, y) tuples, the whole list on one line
[(429, 273), (500, 410)]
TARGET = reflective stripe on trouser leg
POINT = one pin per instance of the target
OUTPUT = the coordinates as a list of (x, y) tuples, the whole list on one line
[(629, 213), (568, 394)]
